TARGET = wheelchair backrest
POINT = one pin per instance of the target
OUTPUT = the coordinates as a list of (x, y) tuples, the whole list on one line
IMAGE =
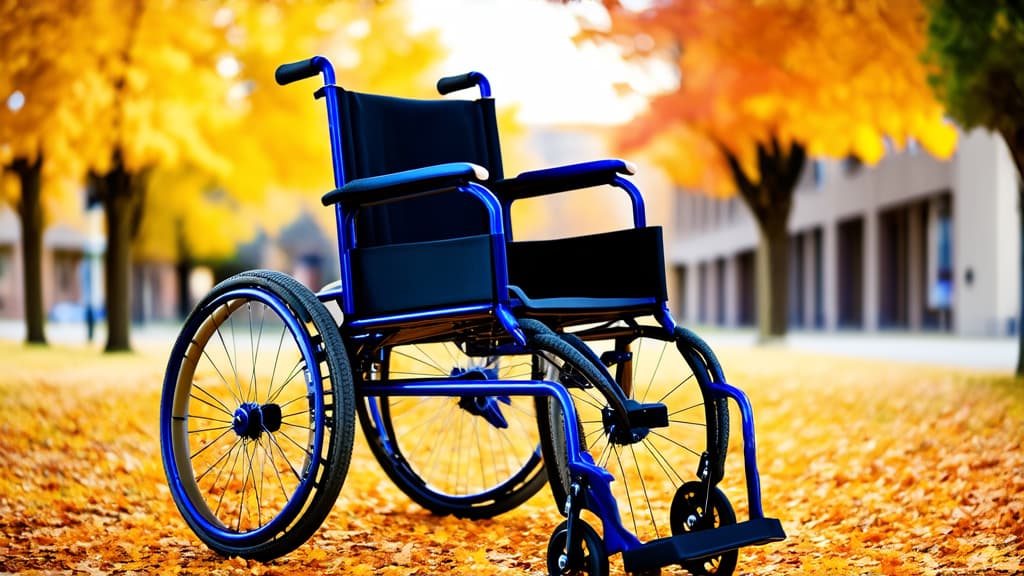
[(383, 134)]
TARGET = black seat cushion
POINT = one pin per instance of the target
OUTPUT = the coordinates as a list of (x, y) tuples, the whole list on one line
[(621, 264)]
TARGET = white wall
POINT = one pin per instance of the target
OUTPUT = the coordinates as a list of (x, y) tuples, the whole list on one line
[(986, 236)]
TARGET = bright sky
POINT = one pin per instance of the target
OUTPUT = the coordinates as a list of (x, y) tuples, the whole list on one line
[(526, 50)]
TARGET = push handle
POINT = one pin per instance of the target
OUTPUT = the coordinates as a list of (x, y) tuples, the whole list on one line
[(450, 84), (295, 71)]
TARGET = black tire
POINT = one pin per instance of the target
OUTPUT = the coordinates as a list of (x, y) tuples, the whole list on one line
[(588, 556), (283, 423), (562, 362), (695, 508), (647, 471)]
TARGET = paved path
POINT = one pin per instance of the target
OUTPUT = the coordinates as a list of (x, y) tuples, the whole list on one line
[(998, 354)]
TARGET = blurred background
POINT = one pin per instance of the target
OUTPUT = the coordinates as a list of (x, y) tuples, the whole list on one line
[(816, 166)]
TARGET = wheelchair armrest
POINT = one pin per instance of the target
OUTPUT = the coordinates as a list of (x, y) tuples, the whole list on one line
[(562, 179), (390, 187)]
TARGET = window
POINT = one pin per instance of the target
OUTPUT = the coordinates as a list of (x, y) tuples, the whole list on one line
[(818, 168)]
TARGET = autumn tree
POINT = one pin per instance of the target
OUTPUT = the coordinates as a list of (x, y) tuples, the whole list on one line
[(277, 154), (978, 48), (764, 85), (193, 98), (42, 100)]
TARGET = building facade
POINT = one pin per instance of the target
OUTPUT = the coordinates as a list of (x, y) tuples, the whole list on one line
[(912, 243), (64, 252)]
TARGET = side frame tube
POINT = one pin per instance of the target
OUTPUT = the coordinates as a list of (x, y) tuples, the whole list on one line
[(599, 498)]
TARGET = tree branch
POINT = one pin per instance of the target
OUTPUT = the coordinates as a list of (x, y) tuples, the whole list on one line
[(746, 188)]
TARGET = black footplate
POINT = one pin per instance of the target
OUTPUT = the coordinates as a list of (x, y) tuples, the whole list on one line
[(702, 544)]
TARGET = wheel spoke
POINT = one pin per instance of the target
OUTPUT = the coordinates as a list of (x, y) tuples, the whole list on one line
[(670, 392), (287, 460), (688, 422), (219, 373), (663, 462), (439, 370), (688, 408), (292, 401), (305, 449), (273, 371), (269, 453), (643, 486), (657, 366), (683, 446), (215, 440), (220, 408), (218, 461), (300, 366), (625, 484), (231, 363), (215, 428), (245, 484), (253, 391), (220, 501), (234, 348)]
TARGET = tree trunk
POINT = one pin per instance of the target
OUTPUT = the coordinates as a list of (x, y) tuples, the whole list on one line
[(184, 270), (773, 278), (770, 199), (30, 211), (121, 194)]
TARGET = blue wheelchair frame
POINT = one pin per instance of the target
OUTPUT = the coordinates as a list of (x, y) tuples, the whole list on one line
[(350, 197)]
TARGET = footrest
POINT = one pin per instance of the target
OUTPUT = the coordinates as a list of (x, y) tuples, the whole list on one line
[(702, 543)]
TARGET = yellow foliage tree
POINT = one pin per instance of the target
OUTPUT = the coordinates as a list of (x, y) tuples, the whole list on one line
[(764, 84), (171, 109), (42, 103), (277, 151)]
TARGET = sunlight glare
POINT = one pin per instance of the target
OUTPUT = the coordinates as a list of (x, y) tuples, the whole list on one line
[(16, 101), (527, 51)]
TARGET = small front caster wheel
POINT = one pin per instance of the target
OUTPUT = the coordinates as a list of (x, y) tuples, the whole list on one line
[(693, 508), (586, 555)]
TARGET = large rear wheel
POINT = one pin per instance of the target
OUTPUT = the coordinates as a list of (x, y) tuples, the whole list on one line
[(256, 416)]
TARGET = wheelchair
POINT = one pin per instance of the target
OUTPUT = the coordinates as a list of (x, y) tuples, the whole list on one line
[(480, 368)]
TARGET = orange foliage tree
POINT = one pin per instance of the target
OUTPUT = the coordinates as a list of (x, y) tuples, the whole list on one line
[(762, 86)]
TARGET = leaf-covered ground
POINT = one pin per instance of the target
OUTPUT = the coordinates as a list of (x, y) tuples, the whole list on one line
[(873, 468)]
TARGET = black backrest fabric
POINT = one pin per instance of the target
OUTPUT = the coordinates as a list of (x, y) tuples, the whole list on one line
[(382, 134)]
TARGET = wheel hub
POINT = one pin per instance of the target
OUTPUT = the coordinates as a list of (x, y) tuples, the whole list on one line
[(251, 419), (641, 417), (486, 407)]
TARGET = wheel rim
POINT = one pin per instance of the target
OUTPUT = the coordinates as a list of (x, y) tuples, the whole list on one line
[(463, 452), (648, 466), (246, 417)]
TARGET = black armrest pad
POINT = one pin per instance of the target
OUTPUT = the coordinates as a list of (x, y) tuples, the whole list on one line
[(563, 178), (387, 187)]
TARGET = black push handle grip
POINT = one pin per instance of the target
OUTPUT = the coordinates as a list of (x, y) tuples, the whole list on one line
[(295, 71), (450, 84)]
